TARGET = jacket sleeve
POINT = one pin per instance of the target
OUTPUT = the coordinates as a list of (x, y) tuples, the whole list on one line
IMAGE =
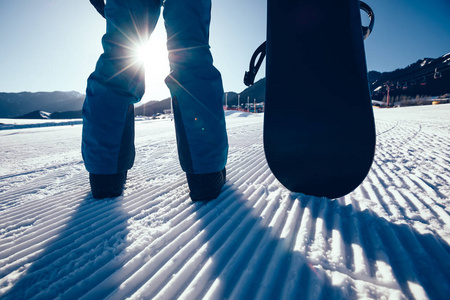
[(99, 6)]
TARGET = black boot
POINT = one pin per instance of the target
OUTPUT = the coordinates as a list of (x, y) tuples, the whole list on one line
[(205, 187), (107, 185)]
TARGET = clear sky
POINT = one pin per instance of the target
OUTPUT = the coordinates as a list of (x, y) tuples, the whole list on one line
[(49, 45)]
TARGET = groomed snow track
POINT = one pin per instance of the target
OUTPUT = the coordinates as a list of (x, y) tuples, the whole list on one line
[(389, 239)]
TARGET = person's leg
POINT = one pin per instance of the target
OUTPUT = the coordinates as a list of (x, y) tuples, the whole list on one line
[(197, 95), (196, 87), (115, 85)]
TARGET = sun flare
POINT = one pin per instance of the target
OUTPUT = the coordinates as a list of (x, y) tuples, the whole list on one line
[(143, 53), (153, 54)]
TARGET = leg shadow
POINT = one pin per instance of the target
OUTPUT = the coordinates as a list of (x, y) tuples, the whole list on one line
[(84, 247)]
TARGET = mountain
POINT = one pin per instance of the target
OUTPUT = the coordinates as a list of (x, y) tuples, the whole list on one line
[(19, 104), (74, 114), (37, 114), (428, 76), (256, 91)]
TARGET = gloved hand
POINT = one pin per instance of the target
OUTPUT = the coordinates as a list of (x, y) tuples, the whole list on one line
[(99, 6)]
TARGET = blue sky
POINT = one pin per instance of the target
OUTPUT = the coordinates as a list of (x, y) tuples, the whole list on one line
[(52, 45)]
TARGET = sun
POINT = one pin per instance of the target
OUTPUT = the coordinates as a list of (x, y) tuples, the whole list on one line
[(143, 53), (153, 54)]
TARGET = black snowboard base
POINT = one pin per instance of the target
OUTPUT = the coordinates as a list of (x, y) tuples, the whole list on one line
[(319, 130)]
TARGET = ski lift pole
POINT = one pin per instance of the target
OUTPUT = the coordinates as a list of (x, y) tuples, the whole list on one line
[(387, 96), (226, 101)]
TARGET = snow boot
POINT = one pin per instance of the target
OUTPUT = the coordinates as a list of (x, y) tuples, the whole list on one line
[(205, 187), (107, 185)]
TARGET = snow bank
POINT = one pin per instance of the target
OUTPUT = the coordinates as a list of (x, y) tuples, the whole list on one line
[(31, 123)]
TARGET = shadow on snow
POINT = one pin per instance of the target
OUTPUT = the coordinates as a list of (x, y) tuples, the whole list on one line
[(245, 256)]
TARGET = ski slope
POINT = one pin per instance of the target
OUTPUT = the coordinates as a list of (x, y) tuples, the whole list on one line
[(389, 239)]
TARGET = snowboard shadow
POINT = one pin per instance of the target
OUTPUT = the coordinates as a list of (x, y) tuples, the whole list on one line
[(419, 262), (248, 247), (249, 260), (256, 260), (92, 237)]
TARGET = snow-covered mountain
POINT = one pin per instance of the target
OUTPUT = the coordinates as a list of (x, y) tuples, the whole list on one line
[(389, 239), (428, 76), (18, 104), (39, 114)]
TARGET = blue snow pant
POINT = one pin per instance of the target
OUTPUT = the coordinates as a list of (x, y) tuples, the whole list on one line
[(118, 82)]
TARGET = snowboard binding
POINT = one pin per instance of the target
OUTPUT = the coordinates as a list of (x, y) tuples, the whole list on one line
[(260, 52), (367, 30)]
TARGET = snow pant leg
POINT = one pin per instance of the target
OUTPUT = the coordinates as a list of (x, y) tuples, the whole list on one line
[(115, 85), (196, 87)]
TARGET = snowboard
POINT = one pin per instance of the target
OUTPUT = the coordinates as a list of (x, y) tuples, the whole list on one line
[(319, 129)]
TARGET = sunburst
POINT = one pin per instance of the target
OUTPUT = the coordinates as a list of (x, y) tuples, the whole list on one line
[(153, 54)]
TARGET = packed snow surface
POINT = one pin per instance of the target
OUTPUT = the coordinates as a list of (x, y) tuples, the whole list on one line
[(389, 239)]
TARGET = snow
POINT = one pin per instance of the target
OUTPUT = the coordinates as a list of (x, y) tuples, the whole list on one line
[(32, 123), (378, 88), (389, 239)]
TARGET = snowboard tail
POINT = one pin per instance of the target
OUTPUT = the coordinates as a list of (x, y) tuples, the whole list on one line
[(319, 130)]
